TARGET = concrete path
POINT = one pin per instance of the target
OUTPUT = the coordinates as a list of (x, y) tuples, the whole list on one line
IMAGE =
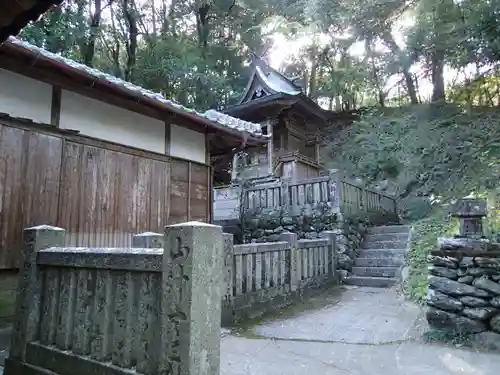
[(358, 331)]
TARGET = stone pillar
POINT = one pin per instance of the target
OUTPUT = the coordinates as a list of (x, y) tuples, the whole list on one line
[(227, 299), (294, 268), (335, 189), (332, 252), (285, 196), (148, 240), (470, 213), (192, 282), (29, 293)]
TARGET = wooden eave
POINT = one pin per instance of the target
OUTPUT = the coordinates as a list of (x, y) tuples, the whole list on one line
[(271, 105)]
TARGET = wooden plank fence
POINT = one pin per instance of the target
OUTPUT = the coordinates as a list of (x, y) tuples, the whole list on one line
[(103, 193)]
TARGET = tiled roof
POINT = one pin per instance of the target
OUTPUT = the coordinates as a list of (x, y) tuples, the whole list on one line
[(219, 118)]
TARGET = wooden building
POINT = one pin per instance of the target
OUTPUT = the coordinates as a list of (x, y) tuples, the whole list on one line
[(15, 14), (290, 119), (98, 156)]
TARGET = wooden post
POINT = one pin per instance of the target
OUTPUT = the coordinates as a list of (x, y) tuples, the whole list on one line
[(234, 168), (29, 293), (270, 150)]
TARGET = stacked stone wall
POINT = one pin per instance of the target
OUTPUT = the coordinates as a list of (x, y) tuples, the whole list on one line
[(464, 286), (260, 226)]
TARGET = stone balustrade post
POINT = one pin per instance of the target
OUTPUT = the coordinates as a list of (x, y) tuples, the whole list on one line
[(285, 196), (148, 240), (227, 299), (192, 283), (293, 276), (29, 293), (336, 178), (332, 252)]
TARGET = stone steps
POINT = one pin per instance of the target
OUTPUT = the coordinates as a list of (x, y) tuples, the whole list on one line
[(378, 262), (374, 282), (375, 271), (382, 253), (384, 244), (389, 229), (386, 237), (380, 258)]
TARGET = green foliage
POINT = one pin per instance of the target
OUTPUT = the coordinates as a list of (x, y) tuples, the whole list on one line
[(371, 218), (436, 150), (424, 239), (448, 337)]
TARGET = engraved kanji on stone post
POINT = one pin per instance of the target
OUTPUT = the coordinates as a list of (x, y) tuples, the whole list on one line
[(227, 299), (192, 284)]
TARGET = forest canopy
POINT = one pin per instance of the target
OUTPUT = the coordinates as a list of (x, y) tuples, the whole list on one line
[(349, 53)]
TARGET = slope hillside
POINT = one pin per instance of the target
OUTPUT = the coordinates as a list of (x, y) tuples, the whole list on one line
[(426, 155), (420, 152)]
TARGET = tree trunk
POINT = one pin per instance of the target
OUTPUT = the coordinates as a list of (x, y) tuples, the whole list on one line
[(338, 104), (369, 55), (312, 77), (437, 68), (94, 24), (405, 65), (131, 43)]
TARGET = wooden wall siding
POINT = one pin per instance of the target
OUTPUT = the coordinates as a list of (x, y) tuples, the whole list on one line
[(100, 196)]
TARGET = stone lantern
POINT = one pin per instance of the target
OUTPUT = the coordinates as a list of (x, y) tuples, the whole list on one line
[(470, 212)]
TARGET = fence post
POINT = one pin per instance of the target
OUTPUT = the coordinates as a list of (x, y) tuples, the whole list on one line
[(192, 281), (335, 189), (29, 293), (332, 252), (285, 196), (227, 300), (148, 240), (293, 276)]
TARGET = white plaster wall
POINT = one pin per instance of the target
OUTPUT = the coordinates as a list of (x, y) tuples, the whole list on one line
[(21, 96), (111, 123), (187, 144)]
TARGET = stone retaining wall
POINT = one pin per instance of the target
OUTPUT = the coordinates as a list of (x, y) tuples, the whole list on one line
[(349, 230), (464, 286)]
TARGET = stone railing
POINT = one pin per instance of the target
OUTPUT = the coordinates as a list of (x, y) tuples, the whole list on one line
[(120, 310), (331, 190), (260, 276), (464, 286), (329, 194), (357, 198), (294, 197)]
